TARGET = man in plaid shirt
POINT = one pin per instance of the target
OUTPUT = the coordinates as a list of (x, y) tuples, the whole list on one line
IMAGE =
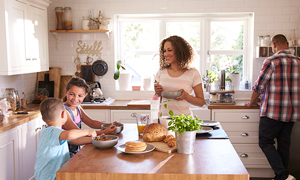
[(279, 84)]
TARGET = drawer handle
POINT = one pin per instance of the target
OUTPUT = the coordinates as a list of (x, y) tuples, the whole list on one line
[(45, 126), (244, 155), (39, 128), (244, 134), (28, 59), (245, 117)]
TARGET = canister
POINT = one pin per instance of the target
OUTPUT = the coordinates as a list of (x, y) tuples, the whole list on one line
[(59, 12), (68, 18), (85, 23)]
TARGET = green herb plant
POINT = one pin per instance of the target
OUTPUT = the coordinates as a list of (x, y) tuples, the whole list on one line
[(118, 71), (183, 123)]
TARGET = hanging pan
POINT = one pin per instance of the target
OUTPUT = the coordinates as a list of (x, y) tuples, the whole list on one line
[(99, 68)]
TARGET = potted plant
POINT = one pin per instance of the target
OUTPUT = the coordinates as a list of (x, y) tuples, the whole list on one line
[(123, 76), (185, 128), (234, 75)]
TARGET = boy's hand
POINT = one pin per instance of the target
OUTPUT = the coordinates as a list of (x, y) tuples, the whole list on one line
[(110, 130), (92, 133)]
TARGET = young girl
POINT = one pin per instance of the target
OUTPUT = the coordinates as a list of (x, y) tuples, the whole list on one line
[(76, 90), (176, 74)]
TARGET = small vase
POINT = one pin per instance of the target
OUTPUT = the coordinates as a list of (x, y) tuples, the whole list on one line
[(235, 80), (125, 81), (147, 83), (185, 142)]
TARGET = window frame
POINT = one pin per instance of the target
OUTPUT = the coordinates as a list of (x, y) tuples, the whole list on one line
[(204, 45)]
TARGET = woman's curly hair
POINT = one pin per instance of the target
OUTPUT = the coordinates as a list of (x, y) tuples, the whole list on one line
[(184, 52)]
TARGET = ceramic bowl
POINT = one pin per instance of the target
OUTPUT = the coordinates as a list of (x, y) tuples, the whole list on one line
[(119, 127), (171, 94), (105, 144)]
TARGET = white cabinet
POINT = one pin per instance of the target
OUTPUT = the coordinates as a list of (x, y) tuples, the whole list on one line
[(242, 128), (102, 115), (9, 157), (24, 39), (124, 116), (30, 135)]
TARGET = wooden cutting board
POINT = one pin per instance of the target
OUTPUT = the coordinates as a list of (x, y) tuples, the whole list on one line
[(63, 83), (163, 147), (54, 75)]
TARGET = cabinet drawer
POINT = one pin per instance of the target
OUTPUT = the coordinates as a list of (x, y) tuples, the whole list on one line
[(242, 138), (240, 116), (240, 127), (251, 155)]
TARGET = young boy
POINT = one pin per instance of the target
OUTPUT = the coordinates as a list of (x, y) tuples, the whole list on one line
[(53, 150)]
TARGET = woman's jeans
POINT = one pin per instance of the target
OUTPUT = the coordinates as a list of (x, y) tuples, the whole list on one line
[(269, 129)]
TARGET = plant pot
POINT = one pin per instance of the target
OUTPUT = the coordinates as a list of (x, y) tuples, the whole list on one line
[(147, 83), (125, 81), (235, 80), (185, 142)]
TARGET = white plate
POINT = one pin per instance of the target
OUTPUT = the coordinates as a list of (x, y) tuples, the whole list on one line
[(205, 130), (209, 123), (148, 149)]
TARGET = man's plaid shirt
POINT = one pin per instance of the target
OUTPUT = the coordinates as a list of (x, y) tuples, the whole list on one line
[(279, 84)]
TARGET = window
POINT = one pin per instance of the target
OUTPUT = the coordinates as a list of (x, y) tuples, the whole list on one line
[(220, 40)]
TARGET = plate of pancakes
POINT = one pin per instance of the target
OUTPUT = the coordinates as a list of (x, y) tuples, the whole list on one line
[(135, 147)]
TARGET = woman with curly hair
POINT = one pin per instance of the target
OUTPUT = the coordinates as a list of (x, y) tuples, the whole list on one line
[(176, 74)]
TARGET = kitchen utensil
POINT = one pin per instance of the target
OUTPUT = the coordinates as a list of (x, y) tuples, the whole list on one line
[(171, 94), (221, 92), (119, 127), (141, 121), (48, 85), (63, 83), (149, 148), (87, 74), (78, 63), (106, 144), (99, 67), (88, 60)]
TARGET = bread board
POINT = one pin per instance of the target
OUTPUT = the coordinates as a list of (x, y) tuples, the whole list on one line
[(54, 75), (163, 147)]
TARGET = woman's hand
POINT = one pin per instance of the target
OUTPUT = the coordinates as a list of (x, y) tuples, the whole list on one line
[(158, 89), (183, 95), (110, 130)]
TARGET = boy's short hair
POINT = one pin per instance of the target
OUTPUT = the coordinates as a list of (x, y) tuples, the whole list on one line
[(51, 109)]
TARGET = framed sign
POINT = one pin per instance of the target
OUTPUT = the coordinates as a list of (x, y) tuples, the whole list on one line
[(87, 73)]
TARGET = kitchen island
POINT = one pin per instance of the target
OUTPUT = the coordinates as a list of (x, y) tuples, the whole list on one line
[(212, 159)]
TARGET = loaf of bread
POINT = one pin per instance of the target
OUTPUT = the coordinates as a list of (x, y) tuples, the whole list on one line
[(171, 142), (154, 132), (168, 138), (135, 146)]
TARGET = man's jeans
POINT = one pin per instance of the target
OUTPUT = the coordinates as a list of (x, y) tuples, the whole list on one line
[(269, 129)]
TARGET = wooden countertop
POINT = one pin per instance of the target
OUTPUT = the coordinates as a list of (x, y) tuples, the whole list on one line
[(16, 120), (237, 105), (212, 159)]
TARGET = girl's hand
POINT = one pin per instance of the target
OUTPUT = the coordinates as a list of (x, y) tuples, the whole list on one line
[(158, 89), (183, 95), (110, 130), (116, 122)]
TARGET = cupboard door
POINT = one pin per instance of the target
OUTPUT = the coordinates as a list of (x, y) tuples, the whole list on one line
[(124, 116), (29, 148), (96, 114), (38, 44), (18, 59), (9, 161)]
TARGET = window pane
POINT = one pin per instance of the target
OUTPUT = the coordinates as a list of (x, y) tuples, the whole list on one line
[(140, 36), (227, 35), (190, 31), (226, 62)]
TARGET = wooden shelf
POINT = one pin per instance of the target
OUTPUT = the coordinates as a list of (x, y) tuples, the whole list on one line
[(56, 34), (80, 31)]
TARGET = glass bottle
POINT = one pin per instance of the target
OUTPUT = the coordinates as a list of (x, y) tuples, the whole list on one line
[(11, 98), (18, 100), (59, 12), (23, 101), (68, 18), (85, 23)]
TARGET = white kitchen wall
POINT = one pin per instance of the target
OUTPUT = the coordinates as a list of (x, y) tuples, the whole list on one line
[(271, 17)]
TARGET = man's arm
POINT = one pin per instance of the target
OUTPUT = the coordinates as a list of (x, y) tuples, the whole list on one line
[(253, 100)]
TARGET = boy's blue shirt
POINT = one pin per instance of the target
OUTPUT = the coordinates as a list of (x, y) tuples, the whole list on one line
[(51, 155)]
